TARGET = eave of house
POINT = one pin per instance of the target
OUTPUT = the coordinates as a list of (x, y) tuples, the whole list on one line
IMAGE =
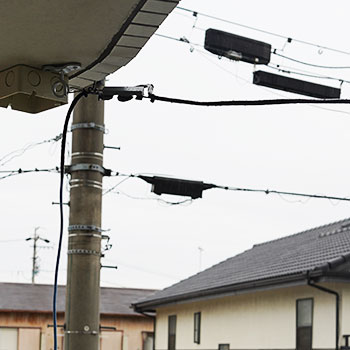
[(279, 282)]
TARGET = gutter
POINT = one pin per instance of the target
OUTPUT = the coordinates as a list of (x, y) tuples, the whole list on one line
[(257, 285), (337, 302)]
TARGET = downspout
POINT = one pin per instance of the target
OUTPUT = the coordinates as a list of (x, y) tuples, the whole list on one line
[(337, 301)]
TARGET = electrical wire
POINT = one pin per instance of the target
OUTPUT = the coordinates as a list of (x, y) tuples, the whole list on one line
[(239, 189), (21, 171), (19, 152), (308, 64), (12, 240), (121, 263), (270, 65), (267, 191), (63, 149), (279, 68), (181, 40), (159, 200), (282, 101), (119, 183), (264, 31), (205, 55)]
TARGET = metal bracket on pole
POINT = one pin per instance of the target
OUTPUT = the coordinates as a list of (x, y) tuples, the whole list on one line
[(83, 252), (85, 183), (90, 125), (86, 167), (95, 235), (85, 228), (82, 332)]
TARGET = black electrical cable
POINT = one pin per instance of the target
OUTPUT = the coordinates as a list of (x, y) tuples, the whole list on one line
[(309, 64), (283, 193), (282, 101), (63, 149)]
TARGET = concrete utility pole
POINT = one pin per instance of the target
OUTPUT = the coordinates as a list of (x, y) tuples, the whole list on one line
[(84, 244), (35, 238)]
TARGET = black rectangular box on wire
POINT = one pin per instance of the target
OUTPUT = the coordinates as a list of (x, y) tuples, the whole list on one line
[(296, 86), (237, 47)]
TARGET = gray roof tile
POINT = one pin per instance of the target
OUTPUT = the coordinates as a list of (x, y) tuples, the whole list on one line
[(289, 255), (38, 298)]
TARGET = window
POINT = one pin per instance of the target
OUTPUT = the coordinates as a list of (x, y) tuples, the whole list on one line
[(147, 340), (111, 340), (197, 327), (8, 338), (20, 338), (171, 332), (224, 346), (304, 324)]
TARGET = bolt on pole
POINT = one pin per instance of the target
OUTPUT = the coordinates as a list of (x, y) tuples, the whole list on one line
[(82, 315)]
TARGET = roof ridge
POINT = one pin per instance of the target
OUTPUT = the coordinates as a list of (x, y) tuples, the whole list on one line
[(300, 233)]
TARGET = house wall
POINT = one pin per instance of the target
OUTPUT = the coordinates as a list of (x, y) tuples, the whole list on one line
[(262, 320), (128, 335)]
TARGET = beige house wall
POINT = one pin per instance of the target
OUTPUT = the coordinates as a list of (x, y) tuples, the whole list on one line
[(129, 328), (261, 320)]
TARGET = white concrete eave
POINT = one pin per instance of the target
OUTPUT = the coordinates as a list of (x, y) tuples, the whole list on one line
[(102, 36)]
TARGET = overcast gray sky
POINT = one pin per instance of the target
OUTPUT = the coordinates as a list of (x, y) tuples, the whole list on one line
[(291, 148)]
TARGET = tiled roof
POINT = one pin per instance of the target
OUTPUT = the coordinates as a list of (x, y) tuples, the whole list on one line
[(38, 298), (288, 256)]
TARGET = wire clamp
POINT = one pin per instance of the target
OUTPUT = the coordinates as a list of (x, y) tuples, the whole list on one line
[(125, 93), (86, 167), (90, 125)]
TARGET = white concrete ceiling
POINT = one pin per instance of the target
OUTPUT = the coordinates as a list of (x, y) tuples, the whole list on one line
[(101, 35)]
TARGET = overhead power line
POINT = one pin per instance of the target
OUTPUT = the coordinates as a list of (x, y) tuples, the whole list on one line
[(275, 66), (12, 240), (20, 171), (17, 153), (284, 69), (281, 101), (194, 189), (309, 64), (298, 194), (289, 39)]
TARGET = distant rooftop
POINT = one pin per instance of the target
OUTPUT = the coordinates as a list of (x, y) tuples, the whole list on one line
[(38, 298), (279, 261)]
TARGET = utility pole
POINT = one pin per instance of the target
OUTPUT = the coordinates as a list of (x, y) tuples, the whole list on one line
[(82, 324), (200, 258), (35, 238)]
